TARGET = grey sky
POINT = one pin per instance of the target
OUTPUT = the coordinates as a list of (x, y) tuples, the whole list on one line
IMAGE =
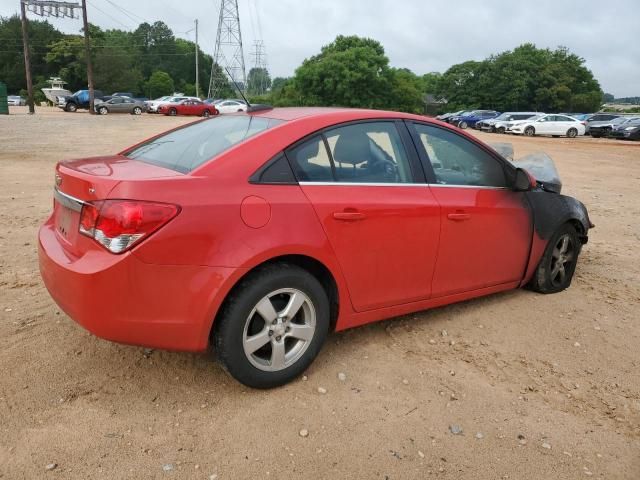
[(425, 36)]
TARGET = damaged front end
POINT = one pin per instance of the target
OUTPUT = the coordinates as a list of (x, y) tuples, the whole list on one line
[(550, 208)]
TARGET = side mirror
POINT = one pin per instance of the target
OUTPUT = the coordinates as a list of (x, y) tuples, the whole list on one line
[(524, 181)]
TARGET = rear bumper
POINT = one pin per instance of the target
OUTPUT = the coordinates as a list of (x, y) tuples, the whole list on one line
[(122, 299)]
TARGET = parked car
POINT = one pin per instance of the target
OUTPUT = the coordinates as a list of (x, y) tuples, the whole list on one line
[(554, 125), (603, 129), (152, 106), (231, 106), (599, 117), (445, 116), (188, 107), (121, 105), (80, 100), (16, 101), (627, 131), (186, 239), (469, 119), (500, 123)]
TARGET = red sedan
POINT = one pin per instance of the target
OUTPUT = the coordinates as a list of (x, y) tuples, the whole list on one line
[(188, 107), (260, 233)]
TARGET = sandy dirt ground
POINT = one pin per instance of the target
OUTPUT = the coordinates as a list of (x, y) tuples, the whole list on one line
[(542, 387)]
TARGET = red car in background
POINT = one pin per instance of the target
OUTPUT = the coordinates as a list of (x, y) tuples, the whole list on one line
[(261, 232), (188, 107)]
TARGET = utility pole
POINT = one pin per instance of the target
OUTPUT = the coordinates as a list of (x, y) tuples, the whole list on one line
[(197, 72), (87, 52), (27, 58)]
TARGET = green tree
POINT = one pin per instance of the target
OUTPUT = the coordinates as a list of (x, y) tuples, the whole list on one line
[(350, 72), (258, 81), (159, 84), (41, 34)]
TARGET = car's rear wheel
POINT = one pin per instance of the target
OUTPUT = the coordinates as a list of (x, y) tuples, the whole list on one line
[(529, 131), (463, 125), (558, 264), (137, 111), (572, 133), (272, 326), (173, 112), (103, 110)]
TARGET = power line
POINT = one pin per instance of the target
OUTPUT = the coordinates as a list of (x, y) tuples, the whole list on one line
[(111, 17), (128, 13)]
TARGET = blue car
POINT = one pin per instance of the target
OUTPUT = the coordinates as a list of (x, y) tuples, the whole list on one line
[(469, 119)]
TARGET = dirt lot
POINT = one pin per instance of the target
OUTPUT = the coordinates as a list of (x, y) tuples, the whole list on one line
[(541, 386)]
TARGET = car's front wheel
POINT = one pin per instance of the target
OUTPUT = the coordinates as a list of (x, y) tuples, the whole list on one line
[(103, 110), (463, 125), (529, 131), (206, 113), (558, 264), (272, 326), (71, 107), (173, 112)]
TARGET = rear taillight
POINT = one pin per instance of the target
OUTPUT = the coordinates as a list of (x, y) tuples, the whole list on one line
[(118, 225)]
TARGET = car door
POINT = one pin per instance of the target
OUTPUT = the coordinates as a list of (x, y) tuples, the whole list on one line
[(486, 228), (115, 105), (367, 188), (127, 105), (544, 125)]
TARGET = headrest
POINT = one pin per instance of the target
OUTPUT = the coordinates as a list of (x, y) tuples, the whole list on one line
[(352, 148)]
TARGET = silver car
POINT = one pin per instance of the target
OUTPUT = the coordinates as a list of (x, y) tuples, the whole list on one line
[(16, 101), (503, 121), (121, 105)]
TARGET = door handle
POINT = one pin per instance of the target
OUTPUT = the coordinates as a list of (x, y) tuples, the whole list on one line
[(458, 217), (349, 216)]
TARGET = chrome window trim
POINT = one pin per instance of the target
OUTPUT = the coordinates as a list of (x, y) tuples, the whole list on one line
[(68, 201), (363, 184)]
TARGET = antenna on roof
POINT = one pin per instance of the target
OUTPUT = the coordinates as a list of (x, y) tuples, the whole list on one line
[(250, 108), (238, 88)]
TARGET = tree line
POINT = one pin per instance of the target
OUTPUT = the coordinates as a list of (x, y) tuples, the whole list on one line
[(351, 71)]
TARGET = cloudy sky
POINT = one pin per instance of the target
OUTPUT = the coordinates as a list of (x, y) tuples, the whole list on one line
[(423, 35)]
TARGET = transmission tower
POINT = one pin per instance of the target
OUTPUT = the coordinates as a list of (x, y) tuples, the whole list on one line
[(260, 64), (228, 53)]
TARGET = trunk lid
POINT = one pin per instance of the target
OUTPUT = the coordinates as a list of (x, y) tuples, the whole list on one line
[(91, 179)]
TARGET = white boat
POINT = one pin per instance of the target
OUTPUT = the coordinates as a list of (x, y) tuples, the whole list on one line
[(57, 90)]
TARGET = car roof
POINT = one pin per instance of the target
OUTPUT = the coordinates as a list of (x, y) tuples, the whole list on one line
[(344, 114)]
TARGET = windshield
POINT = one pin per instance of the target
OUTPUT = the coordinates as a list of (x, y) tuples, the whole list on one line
[(187, 148)]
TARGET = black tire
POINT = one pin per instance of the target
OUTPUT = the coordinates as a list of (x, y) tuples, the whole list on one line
[(500, 130), (206, 114), (463, 125), (234, 320), (572, 133), (137, 111), (173, 112), (71, 107), (547, 277), (529, 131), (103, 110)]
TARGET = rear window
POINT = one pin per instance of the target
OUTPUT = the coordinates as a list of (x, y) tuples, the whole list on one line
[(185, 149)]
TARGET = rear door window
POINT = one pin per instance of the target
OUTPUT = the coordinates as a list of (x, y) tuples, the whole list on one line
[(370, 152), (187, 148)]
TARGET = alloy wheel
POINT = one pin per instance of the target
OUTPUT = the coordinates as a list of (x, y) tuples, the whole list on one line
[(562, 257), (279, 329)]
